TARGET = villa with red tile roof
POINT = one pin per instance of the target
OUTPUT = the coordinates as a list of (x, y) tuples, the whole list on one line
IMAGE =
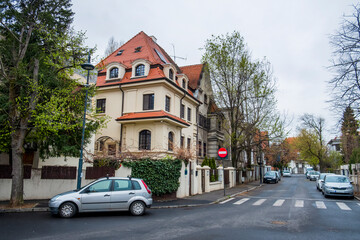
[(154, 105)]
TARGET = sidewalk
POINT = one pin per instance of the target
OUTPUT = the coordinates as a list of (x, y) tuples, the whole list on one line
[(191, 201)]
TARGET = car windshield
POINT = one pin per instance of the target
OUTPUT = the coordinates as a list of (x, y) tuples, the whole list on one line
[(337, 179), (270, 174), (322, 176)]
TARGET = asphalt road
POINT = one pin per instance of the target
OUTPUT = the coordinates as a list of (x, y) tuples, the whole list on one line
[(291, 209)]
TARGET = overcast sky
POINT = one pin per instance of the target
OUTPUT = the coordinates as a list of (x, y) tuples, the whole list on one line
[(292, 34)]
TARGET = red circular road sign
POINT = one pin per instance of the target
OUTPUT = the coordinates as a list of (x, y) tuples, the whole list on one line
[(222, 152)]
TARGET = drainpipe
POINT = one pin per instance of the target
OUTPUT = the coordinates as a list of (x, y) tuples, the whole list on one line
[(122, 113), (197, 133)]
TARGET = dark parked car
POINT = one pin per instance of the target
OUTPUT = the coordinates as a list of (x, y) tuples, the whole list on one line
[(271, 176), (104, 194)]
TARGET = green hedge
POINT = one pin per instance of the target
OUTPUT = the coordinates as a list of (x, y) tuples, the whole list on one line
[(162, 176)]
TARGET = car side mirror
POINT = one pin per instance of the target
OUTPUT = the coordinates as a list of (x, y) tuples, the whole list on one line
[(86, 190)]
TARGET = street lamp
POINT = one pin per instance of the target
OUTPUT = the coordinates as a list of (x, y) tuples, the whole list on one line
[(86, 66)]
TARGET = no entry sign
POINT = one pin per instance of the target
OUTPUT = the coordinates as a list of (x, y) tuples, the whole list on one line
[(222, 152)]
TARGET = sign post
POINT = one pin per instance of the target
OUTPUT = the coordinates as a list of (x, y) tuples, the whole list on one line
[(222, 153)]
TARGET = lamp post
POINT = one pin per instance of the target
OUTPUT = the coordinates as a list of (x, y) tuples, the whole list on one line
[(86, 66)]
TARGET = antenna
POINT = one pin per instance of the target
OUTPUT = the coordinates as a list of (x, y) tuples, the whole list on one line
[(174, 56)]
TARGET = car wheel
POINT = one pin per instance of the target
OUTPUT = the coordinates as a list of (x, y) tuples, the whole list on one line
[(137, 208), (67, 210)]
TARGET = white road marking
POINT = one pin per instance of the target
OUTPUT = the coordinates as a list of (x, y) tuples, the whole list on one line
[(241, 201), (226, 200), (320, 204), (259, 202), (343, 206), (299, 203), (279, 203)]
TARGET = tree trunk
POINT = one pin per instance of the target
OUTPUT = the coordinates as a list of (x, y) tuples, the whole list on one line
[(17, 186), (248, 158)]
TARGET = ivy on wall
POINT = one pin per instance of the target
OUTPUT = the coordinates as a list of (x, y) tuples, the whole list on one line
[(162, 176)]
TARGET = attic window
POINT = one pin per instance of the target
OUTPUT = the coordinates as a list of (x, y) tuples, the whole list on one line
[(138, 49), (119, 52)]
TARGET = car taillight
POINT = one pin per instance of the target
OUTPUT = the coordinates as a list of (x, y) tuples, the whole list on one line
[(147, 189)]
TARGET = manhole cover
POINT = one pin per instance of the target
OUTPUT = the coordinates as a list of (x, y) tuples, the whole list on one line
[(278, 222)]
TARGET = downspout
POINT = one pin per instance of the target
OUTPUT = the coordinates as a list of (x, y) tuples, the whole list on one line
[(197, 132), (122, 113)]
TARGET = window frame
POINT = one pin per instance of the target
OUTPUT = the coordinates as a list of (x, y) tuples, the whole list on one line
[(171, 141), (189, 114), (101, 105), (111, 76), (148, 104), (182, 111), (140, 72), (145, 140), (167, 103), (171, 74)]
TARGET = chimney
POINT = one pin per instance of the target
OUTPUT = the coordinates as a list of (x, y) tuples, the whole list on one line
[(153, 38)]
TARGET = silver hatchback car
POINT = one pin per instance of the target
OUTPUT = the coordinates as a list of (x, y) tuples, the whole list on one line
[(104, 194)]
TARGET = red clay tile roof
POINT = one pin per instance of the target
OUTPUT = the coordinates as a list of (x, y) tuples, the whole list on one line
[(193, 72), (129, 55), (149, 115)]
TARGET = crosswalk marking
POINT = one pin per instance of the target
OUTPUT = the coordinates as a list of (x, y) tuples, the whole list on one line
[(299, 203), (279, 203), (320, 204), (226, 200), (241, 201), (343, 206), (259, 202)]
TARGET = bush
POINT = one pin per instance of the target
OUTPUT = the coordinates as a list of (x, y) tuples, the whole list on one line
[(162, 176)]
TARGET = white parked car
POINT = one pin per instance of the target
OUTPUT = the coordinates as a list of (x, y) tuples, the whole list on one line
[(337, 185), (320, 180), (286, 173)]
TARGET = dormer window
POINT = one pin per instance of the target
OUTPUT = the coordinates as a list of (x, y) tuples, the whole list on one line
[(119, 52), (171, 74), (140, 70), (137, 49), (114, 72), (183, 83)]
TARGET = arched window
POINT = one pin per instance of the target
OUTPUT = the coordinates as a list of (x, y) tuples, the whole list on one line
[(114, 72), (171, 74), (140, 70), (183, 83), (145, 140), (171, 141)]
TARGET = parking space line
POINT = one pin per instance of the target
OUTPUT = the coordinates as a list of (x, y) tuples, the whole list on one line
[(242, 201), (343, 206), (227, 200), (279, 203), (259, 202), (299, 203), (320, 204)]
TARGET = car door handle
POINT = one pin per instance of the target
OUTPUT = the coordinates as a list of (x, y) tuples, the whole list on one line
[(106, 195), (131, 193)]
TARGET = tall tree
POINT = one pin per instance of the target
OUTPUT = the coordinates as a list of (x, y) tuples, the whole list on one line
[(40, 103), (112, 46), (310, 140), (244, 89), (346, 59), (350, 136), (280, 153)]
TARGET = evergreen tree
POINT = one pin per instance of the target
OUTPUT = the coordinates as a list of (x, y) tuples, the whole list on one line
[(349, 130)]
